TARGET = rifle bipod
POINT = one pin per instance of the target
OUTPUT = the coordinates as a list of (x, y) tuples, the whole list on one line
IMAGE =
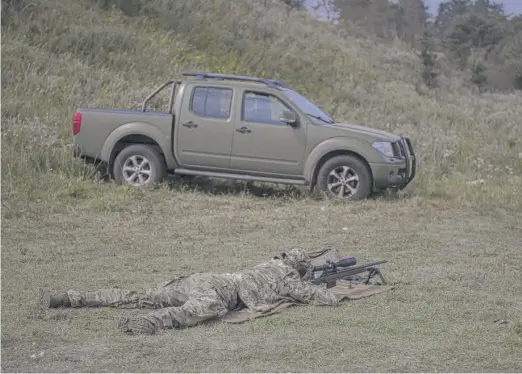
[(374, 270)]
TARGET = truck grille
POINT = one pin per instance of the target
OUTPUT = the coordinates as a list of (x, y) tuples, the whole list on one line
[(403, 149), (397, 150), (400, 148)]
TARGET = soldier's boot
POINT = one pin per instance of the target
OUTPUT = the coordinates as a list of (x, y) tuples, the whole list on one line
[(136, 325), (49, 299)]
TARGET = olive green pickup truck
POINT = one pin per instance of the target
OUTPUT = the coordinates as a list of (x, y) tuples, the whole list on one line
[(243, 128)]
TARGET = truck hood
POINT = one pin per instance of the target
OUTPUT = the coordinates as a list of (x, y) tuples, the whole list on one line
[(366, 132)]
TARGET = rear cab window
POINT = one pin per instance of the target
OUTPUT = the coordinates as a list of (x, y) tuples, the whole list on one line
[(212, 102)]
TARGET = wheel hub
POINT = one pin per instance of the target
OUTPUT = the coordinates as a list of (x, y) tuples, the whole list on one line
[(343, 181), (137, 170)]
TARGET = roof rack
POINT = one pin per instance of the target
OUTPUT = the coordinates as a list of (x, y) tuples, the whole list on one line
[(274, 83)]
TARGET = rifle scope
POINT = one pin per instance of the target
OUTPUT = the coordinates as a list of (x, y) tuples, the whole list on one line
[(345, 262)]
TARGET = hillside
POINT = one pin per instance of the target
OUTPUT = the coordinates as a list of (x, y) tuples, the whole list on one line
[(55, 61), (452, 238)]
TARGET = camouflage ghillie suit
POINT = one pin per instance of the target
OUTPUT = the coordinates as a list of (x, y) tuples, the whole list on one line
[(187, 301)]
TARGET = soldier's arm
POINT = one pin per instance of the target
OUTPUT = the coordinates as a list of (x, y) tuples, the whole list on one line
[(309, 293)]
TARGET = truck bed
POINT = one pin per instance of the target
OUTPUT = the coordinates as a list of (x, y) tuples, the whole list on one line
[(97, 126)]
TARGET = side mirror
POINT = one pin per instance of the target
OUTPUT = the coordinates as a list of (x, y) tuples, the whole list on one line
[(289, 118)]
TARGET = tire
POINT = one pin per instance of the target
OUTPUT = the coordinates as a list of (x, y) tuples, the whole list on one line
[(153, 169), (359, 188)]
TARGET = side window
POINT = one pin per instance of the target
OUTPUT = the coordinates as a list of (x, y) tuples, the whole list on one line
[(263, 108), (212, 102)]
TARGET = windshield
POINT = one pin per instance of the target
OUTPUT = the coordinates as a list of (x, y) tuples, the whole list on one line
[(307, 106)]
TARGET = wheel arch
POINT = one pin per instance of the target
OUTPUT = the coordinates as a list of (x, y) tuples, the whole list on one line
[(138, 133), (332, 154), (128, 140)]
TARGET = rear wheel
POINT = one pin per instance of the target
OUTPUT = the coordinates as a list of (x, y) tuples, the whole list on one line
[(139, 165), (345, 177)]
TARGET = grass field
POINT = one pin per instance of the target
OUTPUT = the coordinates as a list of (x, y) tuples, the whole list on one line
[(455, 272), (453, 238)]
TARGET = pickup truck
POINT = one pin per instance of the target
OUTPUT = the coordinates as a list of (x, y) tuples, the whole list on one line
[(244, 128)]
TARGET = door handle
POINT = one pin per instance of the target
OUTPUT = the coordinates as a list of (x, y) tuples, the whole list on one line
[(244, 130), (190, 124)]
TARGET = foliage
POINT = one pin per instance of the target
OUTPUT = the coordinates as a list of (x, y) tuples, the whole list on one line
[(478, 76), (429, 62), (462, 29), (410, 19), (294, 4)]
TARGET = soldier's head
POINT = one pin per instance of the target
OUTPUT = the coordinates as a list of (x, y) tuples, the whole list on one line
[(299, 260)]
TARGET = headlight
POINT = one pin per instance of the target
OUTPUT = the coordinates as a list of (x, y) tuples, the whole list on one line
[(384, 147)]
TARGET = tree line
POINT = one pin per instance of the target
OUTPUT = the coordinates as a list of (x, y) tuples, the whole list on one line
[(475, 36), (478, 37)]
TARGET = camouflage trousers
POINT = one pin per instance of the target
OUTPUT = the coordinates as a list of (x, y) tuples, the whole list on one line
[(184, 301)]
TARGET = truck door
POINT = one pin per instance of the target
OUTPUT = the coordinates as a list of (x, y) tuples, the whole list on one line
[(205, 126), (262, 143)]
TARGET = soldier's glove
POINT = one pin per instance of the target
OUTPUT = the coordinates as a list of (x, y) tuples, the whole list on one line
[(136, 325), (305, 272)]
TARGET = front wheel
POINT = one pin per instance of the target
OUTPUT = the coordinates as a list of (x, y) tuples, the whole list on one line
[(139, 165), (345, 177)]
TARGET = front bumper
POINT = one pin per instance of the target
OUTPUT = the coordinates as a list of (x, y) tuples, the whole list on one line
[(399, 172)]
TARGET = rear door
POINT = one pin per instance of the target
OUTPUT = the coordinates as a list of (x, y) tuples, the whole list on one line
[(205, 126), (262, 143)]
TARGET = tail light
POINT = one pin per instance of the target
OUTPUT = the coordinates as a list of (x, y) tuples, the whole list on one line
[(77, 123)]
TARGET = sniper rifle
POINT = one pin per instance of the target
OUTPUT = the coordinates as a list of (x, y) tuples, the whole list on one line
[(331, 271)]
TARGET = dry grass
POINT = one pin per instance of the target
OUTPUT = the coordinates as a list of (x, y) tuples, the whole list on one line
[(454, 247), (455, 271)]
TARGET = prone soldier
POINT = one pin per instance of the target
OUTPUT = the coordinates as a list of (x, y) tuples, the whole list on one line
[(188, 301)]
